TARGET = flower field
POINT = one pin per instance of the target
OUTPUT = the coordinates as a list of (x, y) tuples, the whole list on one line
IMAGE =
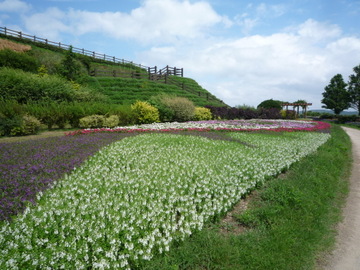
[(217, 125), (136, 196)]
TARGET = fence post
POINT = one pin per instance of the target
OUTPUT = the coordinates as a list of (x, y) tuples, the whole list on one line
[(59, 44), (5, 31), (182, 72), (114, 73), (93, 54), (166, 78), (46, 41), (20, 34)]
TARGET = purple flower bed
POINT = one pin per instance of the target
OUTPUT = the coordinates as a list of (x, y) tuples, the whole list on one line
[(29, 167)]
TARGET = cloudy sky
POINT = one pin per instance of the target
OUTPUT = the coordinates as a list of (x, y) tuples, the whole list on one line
[(243, 51)]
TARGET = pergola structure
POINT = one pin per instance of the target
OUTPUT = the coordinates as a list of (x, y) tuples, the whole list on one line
[(296, 107)]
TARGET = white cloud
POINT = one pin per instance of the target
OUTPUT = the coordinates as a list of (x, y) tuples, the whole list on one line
[(286, 66), (314, 30), (15, 6), (154, 21), (48, 24)]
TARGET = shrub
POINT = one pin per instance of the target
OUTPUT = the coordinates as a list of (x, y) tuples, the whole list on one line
[(288, 114), (28, 125), (272, 113), (166, 114), (183, 108), (18, 60), (7, 124), (342, 119), (145, 113), (92, 121), (25, 87), (111, 121), (202, 113)]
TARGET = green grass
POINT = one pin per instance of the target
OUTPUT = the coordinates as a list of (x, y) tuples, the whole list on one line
[(128, 91), (290, 222)]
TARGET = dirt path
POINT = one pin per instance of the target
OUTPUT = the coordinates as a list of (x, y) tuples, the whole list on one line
[(346, 255)]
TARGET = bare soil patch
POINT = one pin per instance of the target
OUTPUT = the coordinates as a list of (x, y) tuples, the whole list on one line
[(7, 44)]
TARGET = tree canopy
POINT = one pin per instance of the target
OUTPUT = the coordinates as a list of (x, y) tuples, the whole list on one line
[(336, 96), (354, 89)]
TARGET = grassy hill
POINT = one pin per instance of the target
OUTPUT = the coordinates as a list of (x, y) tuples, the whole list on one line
[(119, 90)]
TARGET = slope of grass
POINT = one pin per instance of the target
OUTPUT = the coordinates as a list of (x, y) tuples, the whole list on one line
[(290, 222), (127, 91)]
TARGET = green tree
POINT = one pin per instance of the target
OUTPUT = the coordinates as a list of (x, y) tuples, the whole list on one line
[(354, 89), (336, 96), (70, 68), (270, 104)]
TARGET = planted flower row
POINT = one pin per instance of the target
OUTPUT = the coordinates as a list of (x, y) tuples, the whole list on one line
[(231, 125), (29, 167), (135, 197)]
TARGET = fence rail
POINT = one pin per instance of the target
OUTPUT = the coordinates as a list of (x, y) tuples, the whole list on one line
[(12, 33)]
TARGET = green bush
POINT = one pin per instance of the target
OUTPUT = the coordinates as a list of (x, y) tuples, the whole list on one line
[(166, 114), (18, 60), (92, 121), (342, 119), (145, 113), (111, 121), (183, 108), (50, 113), (29, 125), (7, 124), (288, 114), (202, 114), (25, 87)]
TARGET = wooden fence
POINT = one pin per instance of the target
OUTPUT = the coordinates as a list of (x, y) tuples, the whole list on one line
[(12, 33)]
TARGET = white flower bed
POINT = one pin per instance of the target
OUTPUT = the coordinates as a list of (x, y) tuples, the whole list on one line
[(136, 196)]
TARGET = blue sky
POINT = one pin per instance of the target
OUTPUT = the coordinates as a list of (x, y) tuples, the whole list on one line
[(243, 51)]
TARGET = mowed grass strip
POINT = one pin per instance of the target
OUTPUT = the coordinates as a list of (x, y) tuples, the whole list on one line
[(289, 224)]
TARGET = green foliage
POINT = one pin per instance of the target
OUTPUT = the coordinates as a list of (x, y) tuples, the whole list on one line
[(336, 97), (42, 71), (202, 113), (92, 121), (354, 89), (270, 104), (145, 113), (342, 119), (70, 68), (28, 125), (183, 108), (111, 121), (18, 60), (288, 114), (25, 87), (166, 113)]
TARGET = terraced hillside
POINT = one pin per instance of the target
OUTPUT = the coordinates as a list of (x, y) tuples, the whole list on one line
[(127, 90), (120, 90)]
